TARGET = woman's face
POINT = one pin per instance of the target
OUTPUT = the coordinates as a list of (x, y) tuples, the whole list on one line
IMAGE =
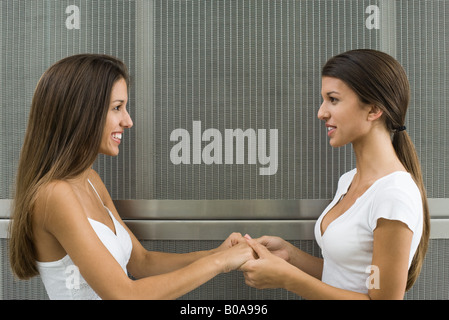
[(346, 117), (117, 119)]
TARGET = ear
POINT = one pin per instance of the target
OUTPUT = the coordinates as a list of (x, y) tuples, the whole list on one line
[(374, 113)]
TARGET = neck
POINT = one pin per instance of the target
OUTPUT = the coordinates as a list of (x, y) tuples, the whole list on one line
[(375, 156), (80, 179)]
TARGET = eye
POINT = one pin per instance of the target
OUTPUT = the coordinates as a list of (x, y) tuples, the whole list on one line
[(117, 108), (333, 100)]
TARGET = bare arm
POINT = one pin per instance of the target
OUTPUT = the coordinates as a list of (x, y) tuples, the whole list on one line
[(66, 221), (309, 264), (144, 263), (392, 240)]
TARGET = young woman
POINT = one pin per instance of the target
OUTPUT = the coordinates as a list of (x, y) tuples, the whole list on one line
[(65, 226), (374, 233)]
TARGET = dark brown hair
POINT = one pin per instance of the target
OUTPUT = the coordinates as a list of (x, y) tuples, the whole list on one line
[(377, 78), (65, 126)]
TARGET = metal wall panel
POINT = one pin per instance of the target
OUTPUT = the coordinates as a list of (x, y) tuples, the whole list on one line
[(227, 65), (34, 35), (431, 285), (250, 65)]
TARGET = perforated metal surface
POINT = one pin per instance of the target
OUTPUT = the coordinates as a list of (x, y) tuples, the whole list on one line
[(432, 283), (229, 64)]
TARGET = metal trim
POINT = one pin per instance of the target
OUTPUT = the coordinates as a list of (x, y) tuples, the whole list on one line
[(216, 219), (255, 209), (4, 224), (220, 229)]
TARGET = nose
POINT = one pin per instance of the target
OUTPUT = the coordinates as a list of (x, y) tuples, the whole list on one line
[(322, 112), (127, 122)]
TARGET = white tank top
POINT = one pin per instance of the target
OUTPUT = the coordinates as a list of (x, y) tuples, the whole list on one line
[(62, 279)]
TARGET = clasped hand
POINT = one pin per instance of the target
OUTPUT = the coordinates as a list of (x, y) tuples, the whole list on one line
[(267, 261)]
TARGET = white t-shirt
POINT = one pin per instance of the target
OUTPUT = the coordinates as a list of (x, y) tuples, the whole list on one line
[(347, 243)]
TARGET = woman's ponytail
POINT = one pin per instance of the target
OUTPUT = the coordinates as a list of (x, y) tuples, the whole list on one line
[(405, 150), (378, 79)]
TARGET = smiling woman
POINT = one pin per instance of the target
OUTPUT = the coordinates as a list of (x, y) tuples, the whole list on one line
[(347, 118), (65, 226), (117, 119), (379, 218), (68, 111)]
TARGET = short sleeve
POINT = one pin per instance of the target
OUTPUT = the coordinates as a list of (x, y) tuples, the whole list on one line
[(344, 182), (394, 203)]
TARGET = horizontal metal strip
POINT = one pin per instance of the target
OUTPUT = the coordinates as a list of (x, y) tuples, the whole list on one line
[(301, 209), (221, 209), (220, 229)]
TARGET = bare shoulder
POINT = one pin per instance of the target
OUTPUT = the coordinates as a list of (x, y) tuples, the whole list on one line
[(54, 192), (99, 185), (94, 175), (102, 190), (55, 201)]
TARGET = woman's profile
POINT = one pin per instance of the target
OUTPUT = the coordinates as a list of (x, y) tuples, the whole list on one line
[(374, 234), (65, 226)]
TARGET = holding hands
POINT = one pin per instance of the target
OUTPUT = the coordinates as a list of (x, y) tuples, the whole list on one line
[(233, 253), (268, 270), (264, 261)]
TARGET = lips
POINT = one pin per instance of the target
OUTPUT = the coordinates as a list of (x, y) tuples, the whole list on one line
[(117, 136), (330, 129)]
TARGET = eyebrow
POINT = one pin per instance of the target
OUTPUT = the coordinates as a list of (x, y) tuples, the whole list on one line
[(332, 92), (118, 100)]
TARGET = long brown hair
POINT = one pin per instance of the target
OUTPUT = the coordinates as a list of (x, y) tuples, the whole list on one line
[(377, 78), (65, 126)]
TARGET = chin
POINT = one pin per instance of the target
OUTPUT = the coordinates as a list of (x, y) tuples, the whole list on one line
[(336, 144), (114, 154), (111, 153), (333, 144)]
